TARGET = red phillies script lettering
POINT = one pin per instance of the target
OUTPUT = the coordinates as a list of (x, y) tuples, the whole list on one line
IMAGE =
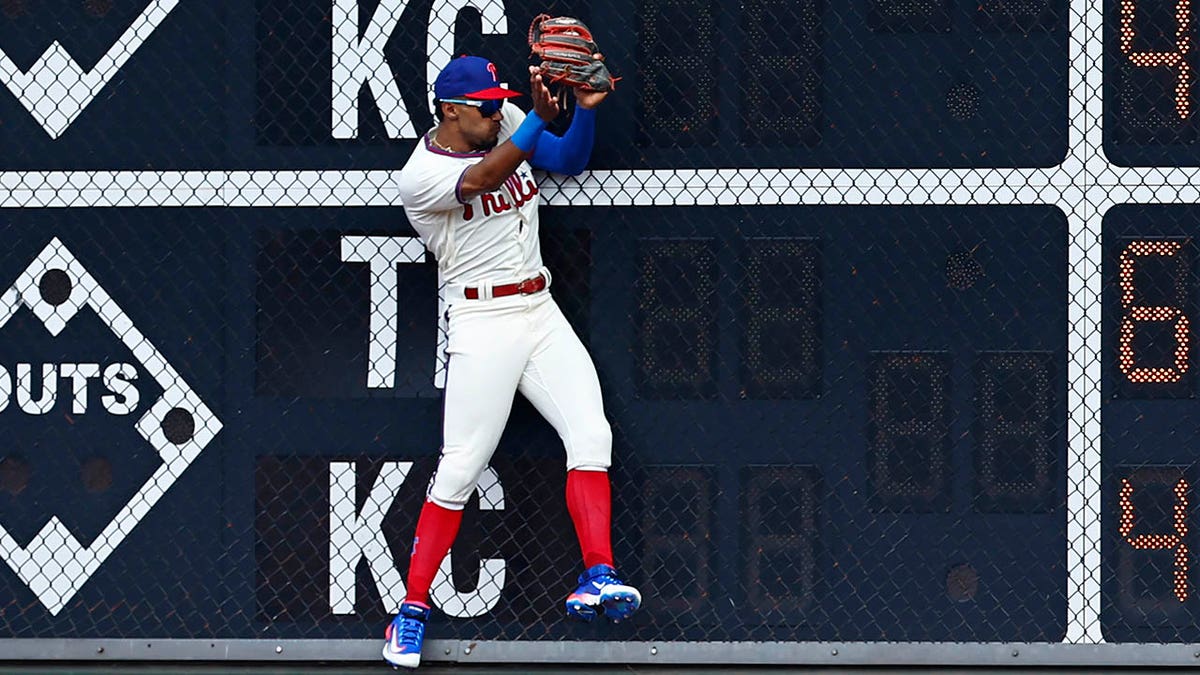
[(499, 202)]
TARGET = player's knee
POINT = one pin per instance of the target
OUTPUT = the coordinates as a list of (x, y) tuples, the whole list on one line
[(454, 480), (591, 445)]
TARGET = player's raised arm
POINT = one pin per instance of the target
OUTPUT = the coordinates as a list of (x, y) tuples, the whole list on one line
[(570, 58), (491, 172), (569, 154)]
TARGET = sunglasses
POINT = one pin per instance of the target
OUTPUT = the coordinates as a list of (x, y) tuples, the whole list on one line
[(486, 108)]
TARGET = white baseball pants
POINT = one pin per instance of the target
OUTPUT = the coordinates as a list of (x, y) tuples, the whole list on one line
[(500, 346)]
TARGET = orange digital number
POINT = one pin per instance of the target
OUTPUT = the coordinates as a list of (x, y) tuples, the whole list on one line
[(1174, 59), (1160, 542), (1133, 314)]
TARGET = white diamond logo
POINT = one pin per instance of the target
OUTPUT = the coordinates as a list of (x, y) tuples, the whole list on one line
[(55, 90), (55, 565)]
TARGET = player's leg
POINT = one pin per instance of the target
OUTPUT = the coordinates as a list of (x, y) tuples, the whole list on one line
[(487, 355), (560, 381)]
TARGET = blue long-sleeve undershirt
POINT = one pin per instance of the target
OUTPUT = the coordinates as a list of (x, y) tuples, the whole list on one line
[(567, 154)]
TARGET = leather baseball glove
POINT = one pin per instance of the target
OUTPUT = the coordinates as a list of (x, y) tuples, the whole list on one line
[(568, 53)]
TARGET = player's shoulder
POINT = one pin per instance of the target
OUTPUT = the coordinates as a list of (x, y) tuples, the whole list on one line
[(417, 166), (513, 116)]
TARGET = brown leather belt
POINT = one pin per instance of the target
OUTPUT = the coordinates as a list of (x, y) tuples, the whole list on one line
[(527, 287)]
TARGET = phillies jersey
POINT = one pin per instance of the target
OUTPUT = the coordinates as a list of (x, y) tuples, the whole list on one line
[(492, 237)]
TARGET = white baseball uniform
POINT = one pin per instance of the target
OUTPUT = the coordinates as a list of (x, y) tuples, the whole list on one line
[(498, 345)]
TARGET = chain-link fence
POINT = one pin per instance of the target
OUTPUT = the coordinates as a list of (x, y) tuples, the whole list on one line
[(891, 302)]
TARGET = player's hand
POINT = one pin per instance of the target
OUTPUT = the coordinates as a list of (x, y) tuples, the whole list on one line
[(545, 104), (587, 98)]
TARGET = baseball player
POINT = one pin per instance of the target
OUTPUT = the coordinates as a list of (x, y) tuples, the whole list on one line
[(469, 192)]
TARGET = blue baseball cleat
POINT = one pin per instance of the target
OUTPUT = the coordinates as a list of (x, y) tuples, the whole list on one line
[(601, 590), (405, 635)]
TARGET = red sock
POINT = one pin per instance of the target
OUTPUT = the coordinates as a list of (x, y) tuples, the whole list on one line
[(436, 529), (589, 500)]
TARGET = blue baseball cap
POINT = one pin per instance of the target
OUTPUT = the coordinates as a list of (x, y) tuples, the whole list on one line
[(470, 77)]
